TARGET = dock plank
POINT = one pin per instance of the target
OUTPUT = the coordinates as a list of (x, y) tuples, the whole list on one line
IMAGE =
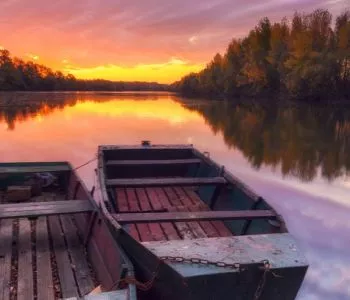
[(25, 286), (65, 272), (44, 274), (78, 257), (5, 258)]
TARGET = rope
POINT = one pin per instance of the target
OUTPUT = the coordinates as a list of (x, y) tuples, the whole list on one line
[(88, 162), (143, 286)]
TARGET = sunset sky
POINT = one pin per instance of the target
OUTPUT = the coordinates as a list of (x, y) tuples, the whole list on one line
[(150, 40)]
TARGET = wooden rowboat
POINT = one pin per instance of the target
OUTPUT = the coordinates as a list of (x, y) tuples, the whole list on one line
[(192, 230), (54, 243)]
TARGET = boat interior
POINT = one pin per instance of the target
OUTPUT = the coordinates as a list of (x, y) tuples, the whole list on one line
[(53, 242), (163, 193)]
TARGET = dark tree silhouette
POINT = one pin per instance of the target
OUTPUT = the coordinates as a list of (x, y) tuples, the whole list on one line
[(17, 75), (305, 59)]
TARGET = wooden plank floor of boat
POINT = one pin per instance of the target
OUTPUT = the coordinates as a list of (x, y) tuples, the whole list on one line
[(153, 199), (43, 259)]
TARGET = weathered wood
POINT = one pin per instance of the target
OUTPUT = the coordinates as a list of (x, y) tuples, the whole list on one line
[(143, 229), (151, 162), (195, 228), (222, 228), (8, 169), (36, 209), (181, 205), (65, 272), (5, 258), (193, 216), (124, 207), (45, 289), (140, 147), (161, 182), (155, 229), (25, 267), (157, 204), (181, 227), (77, 254), (213, 228)]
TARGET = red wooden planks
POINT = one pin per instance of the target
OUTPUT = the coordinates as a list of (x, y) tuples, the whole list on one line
[(218, 226), (143, 199), (122, 201), (124, 207), (155, 229), (183, 228), (143, 229), (153, 199)]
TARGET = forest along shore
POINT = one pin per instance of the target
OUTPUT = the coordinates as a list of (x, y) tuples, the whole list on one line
[(305, 58)]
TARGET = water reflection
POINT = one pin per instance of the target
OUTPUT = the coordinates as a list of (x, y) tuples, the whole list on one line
[(19, 107), (300, 140)]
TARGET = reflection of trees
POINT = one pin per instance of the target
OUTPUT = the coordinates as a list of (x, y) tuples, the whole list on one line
[(301, 140), (18, 107)]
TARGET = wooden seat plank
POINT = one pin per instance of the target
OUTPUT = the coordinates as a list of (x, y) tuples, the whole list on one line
[(45, 289), (161, 182), (8, 169), (194, 216), (5, 258), (165, 162), (79, 260), (36, 209), (25, 265), (65, 272)]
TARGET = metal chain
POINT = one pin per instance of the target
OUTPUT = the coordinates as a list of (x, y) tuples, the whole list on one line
[(262, 281), (178, 259), (145, 286)]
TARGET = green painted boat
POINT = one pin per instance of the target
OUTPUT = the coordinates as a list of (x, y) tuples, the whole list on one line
[(191, 229)]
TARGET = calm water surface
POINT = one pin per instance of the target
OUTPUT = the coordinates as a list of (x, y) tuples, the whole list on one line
[(296, 157)]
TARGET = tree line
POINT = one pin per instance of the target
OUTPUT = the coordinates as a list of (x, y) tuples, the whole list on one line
[(19, 75), (305, 58)]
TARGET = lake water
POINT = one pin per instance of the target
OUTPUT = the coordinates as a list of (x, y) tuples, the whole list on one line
[(296, 157)]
